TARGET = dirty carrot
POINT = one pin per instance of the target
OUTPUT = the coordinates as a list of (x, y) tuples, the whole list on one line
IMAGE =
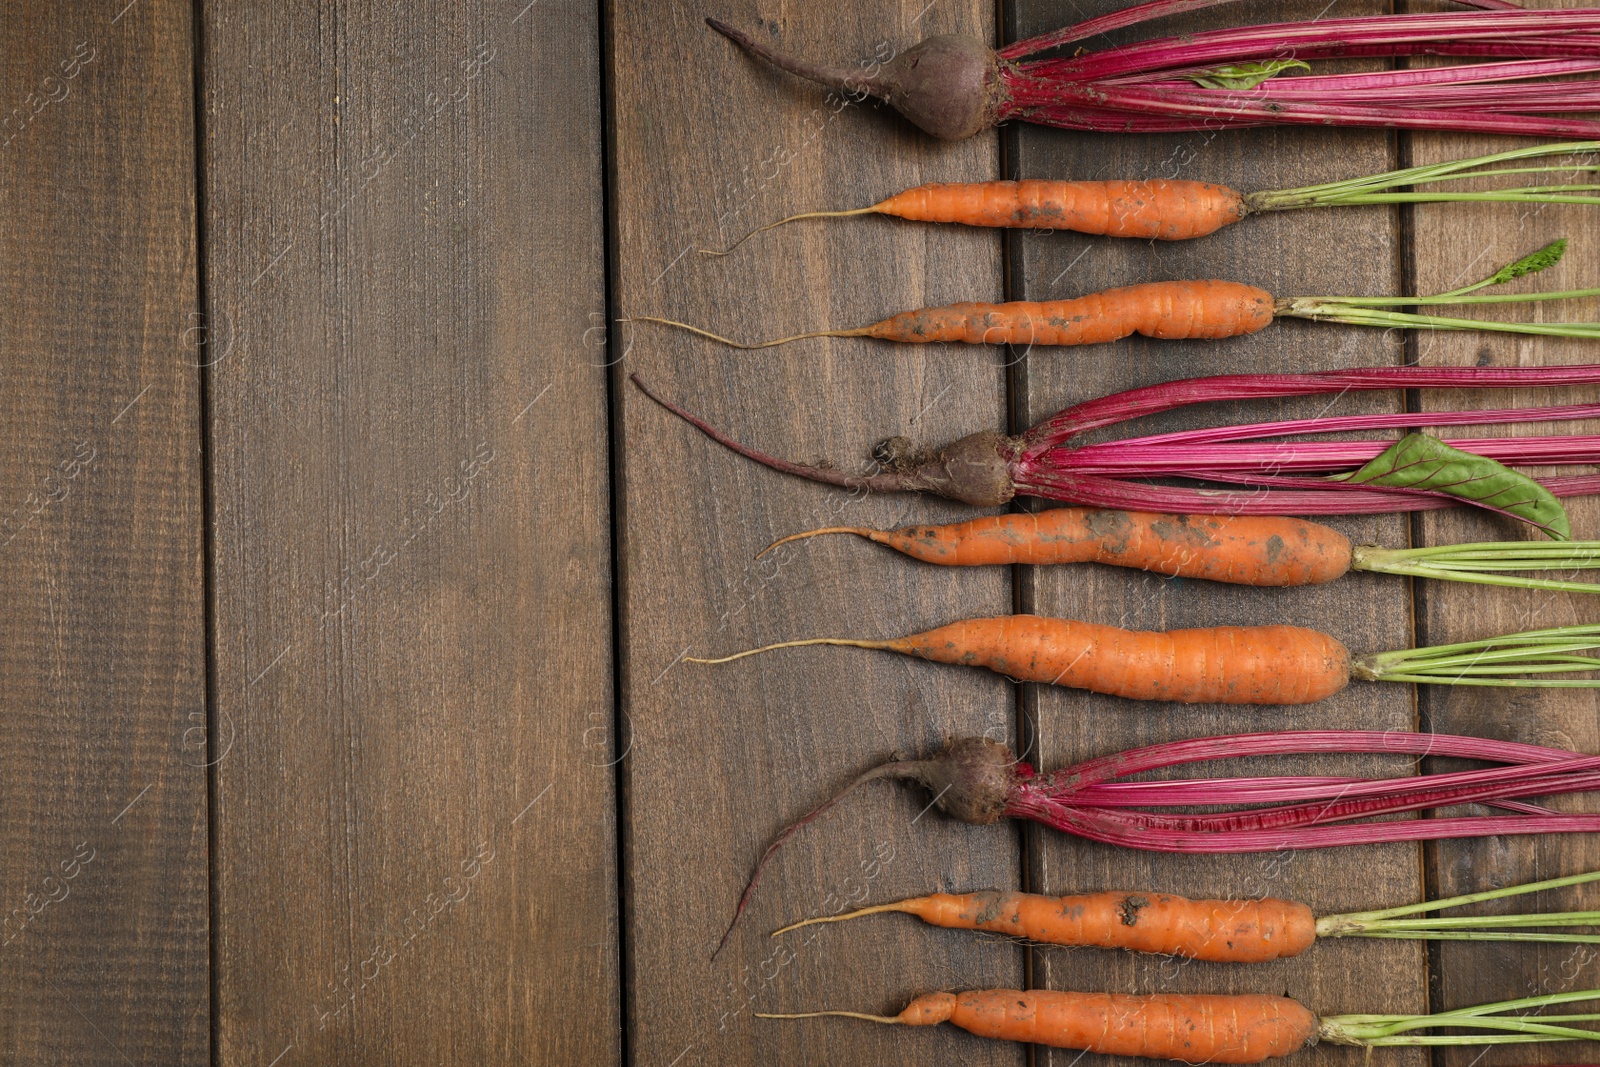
[(1239, 549), (1217, 664), (1197, 1028), (1178, 209), (1416, 473), (980, 781), (954, 87), (1224, 664), (1218, 1027), (1186, 310), (1224, 931)]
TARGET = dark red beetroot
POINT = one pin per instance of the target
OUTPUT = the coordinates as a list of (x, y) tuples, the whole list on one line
[(949, 86), (987, 468), (979, 781), (954, 87)]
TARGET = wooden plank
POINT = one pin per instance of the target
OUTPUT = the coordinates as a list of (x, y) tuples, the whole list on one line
[(706, 145), (1289, 253), (102, 721), (1471, 240), (415, 822)]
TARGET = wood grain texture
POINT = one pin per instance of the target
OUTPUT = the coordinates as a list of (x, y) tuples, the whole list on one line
[(415, 813), (706, 145), (1452, 243), (1355, 251), (102, 699)]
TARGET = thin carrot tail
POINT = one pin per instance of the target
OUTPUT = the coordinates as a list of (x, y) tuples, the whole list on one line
[(874, 910), (792, 218), (848, 642), (930, 1009), (892, 1020), (865, 331), (859, 531)]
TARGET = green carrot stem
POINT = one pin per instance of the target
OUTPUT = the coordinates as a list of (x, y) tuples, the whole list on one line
[(1516, 556), (1482, 935), (1493, 661), (1367, 310), (1501, 683), (1479, 166), (1513, 1028), (1480, 897), (1436, 301), (1499, 172), (1408, 921), (1541, 1000), (1354, 316), (1413, 1040), (1532, 195), (1578, 550), (1471, 666), (1462, 922), (1478, 576)]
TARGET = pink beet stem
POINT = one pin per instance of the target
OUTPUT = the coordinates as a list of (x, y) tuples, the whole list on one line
[(1207, 118), (1132, 16), (1148, 400), (1096, 27), (1388, 79), (1097, 825), (1504, 502), (1108, 121), (1342, 423), (1577, 96), (1552, 47), (1205, 791), (1294, 743), (1276, 496), (1387, 797), (1066, 798), (1522, 99), (1149, 460), (1266, 106), (1333, 799), (1288, 39), (1137, 87)]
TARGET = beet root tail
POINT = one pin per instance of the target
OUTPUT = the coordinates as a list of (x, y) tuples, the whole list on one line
[(975, 470), (971, 779), (845, 79)]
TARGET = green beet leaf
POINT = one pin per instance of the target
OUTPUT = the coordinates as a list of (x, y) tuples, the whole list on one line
[(1244, 75), (1418, 461)]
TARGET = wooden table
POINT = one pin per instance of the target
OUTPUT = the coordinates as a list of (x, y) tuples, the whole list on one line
[(349, 580)]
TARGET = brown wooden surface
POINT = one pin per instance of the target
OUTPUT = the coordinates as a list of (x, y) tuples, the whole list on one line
[(102, 700), (455, 797), (1345, 251), (415, 857)]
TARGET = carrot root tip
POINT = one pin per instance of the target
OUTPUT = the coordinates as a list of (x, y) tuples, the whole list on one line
[(890, 1019), (860, 532)]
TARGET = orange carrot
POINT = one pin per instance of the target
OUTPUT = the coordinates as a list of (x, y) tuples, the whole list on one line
[(1218, 664), (1163, 210), (1223, 931), (1197, 309), (1242, 549), (1160, 210), (1214, 1028)]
